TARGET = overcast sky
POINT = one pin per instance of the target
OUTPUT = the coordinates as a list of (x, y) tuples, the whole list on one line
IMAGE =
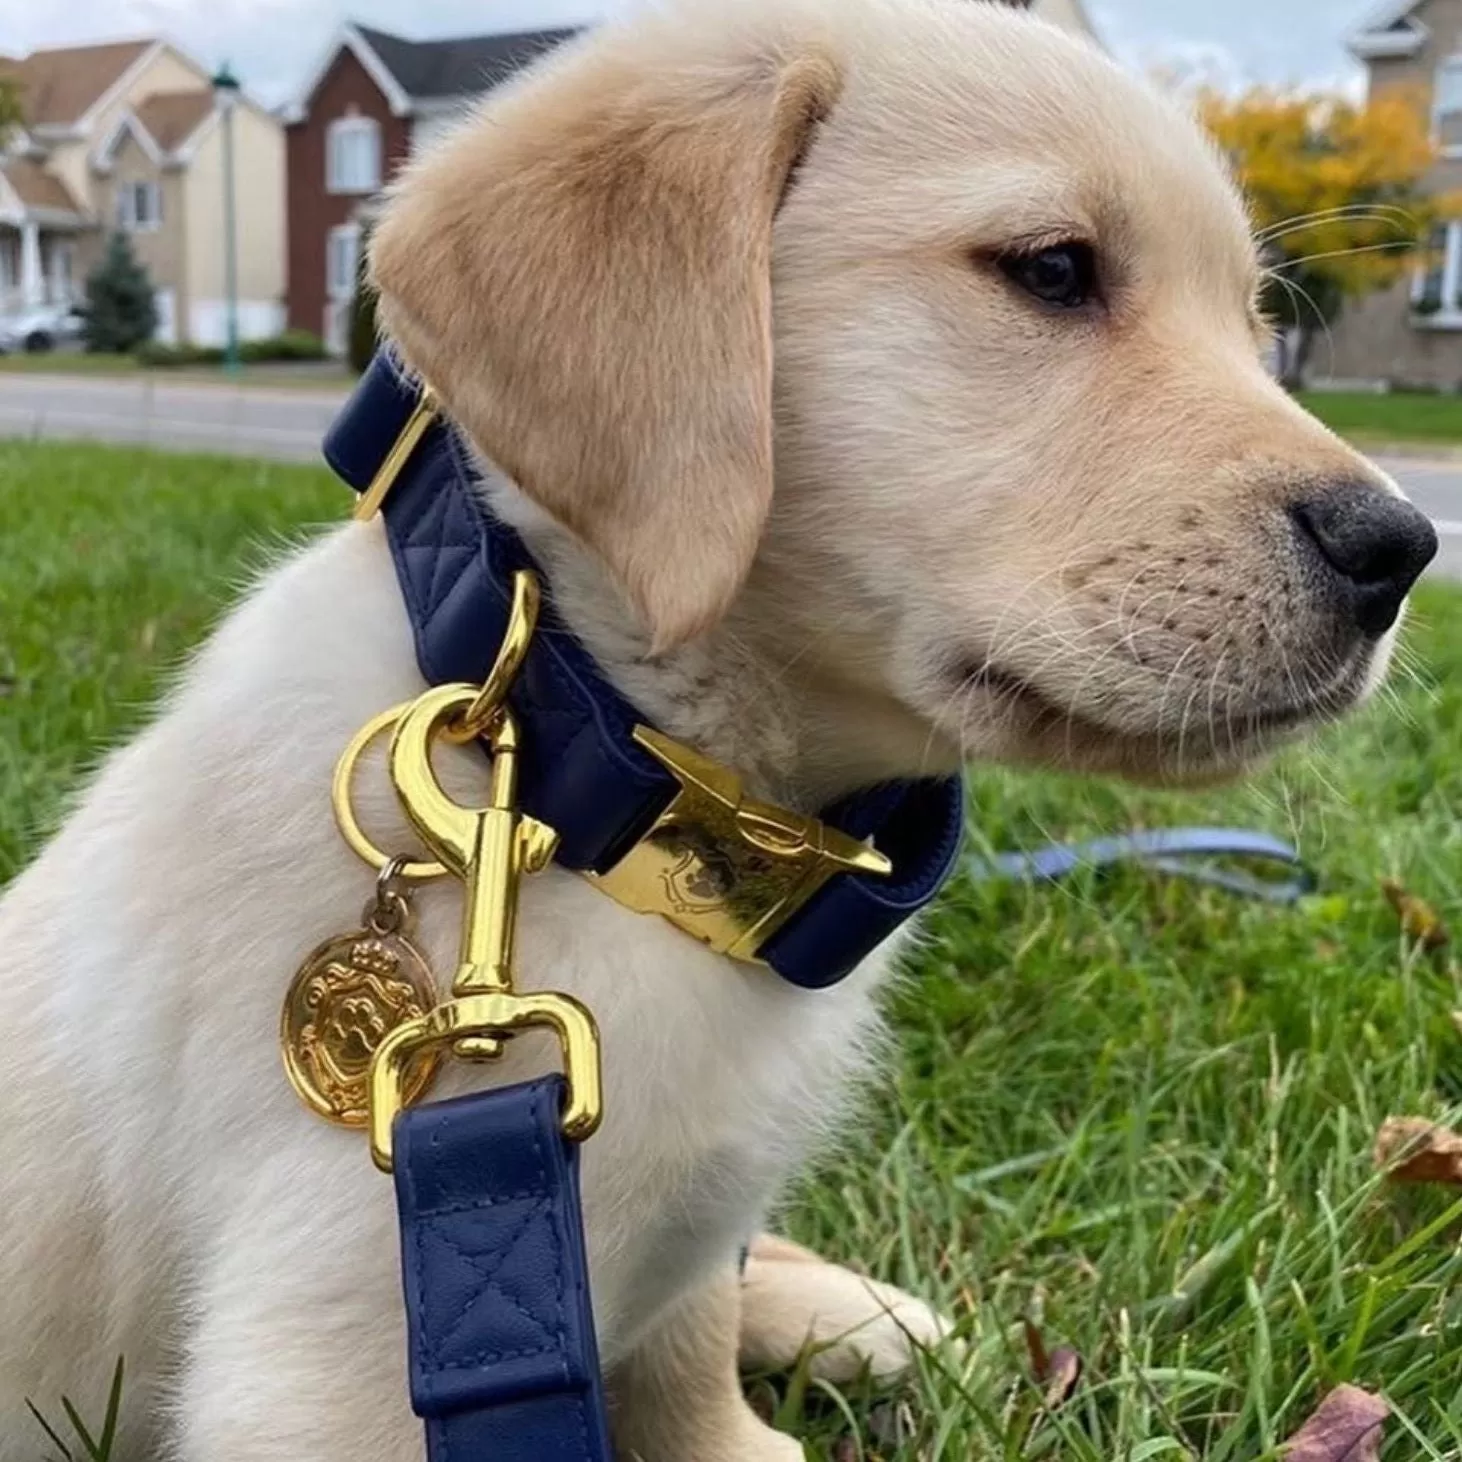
[(273, 43)]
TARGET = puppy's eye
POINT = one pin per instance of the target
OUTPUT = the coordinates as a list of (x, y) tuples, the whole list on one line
[(1064, 275)]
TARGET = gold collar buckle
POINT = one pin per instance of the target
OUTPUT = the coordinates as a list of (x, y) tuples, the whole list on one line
[(722, 867)]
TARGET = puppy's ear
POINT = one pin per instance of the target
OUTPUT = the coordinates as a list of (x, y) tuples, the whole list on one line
[(583, 275)]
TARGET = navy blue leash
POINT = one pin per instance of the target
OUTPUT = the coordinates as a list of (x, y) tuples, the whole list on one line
[(1183, 852), (504, 1364)]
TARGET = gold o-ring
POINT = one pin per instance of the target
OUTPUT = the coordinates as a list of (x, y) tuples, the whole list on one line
[(481, 715), (350, 828)]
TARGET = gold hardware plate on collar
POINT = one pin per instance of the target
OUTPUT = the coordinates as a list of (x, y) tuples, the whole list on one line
[(722, 867), (420, 422)]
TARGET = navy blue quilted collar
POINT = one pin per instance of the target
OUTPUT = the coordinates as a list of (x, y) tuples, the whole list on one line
[(581, 770)]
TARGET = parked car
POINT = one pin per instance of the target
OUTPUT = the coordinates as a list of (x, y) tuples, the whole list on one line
[(40, 329)]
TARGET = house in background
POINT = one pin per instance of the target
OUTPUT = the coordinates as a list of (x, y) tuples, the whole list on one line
[(373, 102), (1411, 335), (40, 223), (127, 136), (159, 176)]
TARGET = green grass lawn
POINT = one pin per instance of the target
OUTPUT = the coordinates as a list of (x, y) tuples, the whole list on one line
[(1138, 1111), (322, 376), (1400, 416)]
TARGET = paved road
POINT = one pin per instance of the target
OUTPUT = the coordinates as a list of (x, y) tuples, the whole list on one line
[(245, 421), (288, 424), (1435, 486)]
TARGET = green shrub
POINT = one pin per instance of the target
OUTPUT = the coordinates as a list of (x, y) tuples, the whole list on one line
[(155, 353), (364, 336), (292, 345), (121, 310)]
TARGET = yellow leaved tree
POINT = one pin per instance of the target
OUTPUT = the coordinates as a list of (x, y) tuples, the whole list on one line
[(10, 114), (1338, 192)]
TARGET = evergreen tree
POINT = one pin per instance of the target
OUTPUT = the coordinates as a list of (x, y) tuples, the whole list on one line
[(121, 310), (363, 337)]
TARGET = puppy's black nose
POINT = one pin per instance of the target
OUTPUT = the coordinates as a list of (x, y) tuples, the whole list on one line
[(1375, 545)]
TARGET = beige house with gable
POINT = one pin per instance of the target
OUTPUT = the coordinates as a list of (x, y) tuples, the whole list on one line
[(128, 136), (1411, 335)]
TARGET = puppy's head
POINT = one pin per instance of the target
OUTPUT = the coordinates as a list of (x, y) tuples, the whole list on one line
[(924, 342)]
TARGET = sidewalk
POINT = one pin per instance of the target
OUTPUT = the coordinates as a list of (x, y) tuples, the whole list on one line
[(1380, 447), (285, 423)]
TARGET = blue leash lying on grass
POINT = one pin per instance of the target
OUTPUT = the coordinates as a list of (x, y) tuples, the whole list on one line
[(1183, 852)]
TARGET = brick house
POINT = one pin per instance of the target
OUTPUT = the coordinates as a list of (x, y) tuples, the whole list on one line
[(127, 136), (374, 101), (1411, 335)]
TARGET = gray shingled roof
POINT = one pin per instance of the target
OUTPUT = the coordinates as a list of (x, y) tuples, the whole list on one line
[(433, 70)]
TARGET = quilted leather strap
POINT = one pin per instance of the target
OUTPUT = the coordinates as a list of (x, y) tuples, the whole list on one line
[(504, 1365), (580, 770)]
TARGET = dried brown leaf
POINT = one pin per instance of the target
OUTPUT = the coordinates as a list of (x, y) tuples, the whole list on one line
[(1419, 921), (1057, 1372), (1413, 1150), (1035, 1345), (1346, 1428), (1063, 1377)]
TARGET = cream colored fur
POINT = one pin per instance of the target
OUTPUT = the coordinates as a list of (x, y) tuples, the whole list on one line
[(719, 290)]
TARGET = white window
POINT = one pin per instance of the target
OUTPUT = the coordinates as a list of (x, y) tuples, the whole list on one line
[(342, 262), (1447, 107), (1436, 287), (1426, 283), (139, 207), (353, 155)]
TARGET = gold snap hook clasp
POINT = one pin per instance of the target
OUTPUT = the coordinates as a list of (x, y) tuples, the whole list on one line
[(490, 849)]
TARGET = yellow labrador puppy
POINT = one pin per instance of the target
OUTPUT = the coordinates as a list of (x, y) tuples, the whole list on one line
[(879, 384)]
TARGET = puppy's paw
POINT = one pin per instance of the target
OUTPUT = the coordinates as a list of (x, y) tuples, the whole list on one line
[(740, 1436), (794, 1303), (769, 1445)]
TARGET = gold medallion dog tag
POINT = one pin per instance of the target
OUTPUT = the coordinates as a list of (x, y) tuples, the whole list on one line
[(346, 998)]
